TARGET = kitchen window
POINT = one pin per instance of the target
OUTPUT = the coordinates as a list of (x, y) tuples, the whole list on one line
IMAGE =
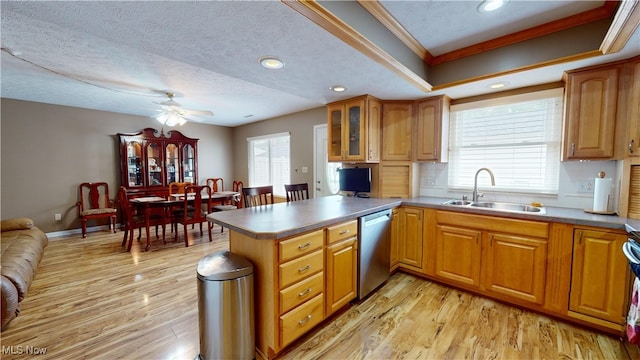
[(517, 137), (269, 162)]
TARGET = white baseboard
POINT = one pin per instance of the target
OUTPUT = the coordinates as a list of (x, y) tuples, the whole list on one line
[(58, 234)]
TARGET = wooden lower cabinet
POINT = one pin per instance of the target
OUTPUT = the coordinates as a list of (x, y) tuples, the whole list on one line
[(600, 277), (575, 272), (515, 266), (342, 267), (289, 290), (458, 254), (299, 281), (410, 243), (300, 320), (494, 255), (395, 239)]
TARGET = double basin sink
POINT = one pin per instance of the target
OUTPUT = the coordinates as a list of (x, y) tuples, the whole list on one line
[(498, 206)]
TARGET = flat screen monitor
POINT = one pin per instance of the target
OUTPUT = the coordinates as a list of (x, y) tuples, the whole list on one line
[(357, 180)]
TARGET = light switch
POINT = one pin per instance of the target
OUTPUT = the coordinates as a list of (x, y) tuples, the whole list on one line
[(305, 169)]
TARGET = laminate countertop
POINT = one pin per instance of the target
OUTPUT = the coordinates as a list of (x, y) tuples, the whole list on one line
[(553, 214), (282, 220)]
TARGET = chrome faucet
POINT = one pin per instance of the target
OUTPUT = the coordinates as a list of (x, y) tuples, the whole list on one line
[(476, 195)]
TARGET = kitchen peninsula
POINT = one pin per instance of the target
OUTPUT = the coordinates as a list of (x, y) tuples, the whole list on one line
[(305, 257)]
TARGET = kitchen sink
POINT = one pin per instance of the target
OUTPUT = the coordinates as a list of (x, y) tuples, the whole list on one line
[(507, 206), (457, 202), (498, 206)]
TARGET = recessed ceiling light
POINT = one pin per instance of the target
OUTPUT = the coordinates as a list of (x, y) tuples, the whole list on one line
[(271, 62), (491, 5), (338, 88), (498, 85)]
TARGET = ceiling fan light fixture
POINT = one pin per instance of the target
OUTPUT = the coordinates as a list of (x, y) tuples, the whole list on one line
[(338, 88), (491, 5), (271, 63), (171, 118)]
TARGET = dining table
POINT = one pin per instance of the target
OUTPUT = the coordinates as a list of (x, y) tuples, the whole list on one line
[(145, 205)]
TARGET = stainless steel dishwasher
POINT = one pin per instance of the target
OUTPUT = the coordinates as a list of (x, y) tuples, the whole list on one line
[(374, 244)]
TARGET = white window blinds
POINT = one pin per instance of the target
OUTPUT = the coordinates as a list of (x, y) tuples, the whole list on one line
[(269, 161), (517, 137)]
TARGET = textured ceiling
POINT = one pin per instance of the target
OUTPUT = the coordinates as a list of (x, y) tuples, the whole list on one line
[(121, 56)]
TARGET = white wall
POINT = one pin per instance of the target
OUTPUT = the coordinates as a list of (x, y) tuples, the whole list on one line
[(433, 182)]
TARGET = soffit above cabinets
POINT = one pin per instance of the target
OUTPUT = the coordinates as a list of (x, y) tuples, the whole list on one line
[(123, 56)]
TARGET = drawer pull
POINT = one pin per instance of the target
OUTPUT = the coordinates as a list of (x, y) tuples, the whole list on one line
[(346, 231), (305, 320), (303, 269), (304, 246), (305, 293)]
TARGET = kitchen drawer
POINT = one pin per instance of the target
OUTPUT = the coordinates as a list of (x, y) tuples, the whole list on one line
[(300, 268), (301, 291), (301, 319), (342, 231), (300, 245)]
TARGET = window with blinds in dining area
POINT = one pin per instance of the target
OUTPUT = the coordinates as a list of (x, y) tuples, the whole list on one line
[(518, 137), (269, 161)]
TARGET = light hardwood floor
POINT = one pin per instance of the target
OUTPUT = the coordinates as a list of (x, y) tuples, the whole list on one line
[(93, 300)]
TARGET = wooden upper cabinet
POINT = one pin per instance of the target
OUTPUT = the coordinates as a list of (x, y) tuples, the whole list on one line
[(432, 129), (590, 118), (397, 123), (632, 92), (354, 130)]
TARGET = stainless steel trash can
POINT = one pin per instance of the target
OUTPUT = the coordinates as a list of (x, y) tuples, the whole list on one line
[(225, 307)]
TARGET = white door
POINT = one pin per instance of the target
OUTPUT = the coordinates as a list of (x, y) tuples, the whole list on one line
[(325, 176)]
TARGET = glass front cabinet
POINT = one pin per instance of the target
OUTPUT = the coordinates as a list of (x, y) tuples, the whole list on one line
[(151, 160), (353, 130)]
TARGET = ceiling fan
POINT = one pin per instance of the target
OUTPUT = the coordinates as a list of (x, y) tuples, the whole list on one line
[(173, 114)]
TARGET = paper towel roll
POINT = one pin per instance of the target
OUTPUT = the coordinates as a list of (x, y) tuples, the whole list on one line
[(601, 194)]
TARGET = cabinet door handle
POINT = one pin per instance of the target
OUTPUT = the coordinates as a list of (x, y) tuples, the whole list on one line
[(631, 146), (573, 149), (304, 246), (580, 238), (303, 269), (344, 232), (305, 293), (304, 320)]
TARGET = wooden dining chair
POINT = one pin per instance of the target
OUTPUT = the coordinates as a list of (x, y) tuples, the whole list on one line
[(237, 187), (178, 187), (216, 184), (132, 221), (94, 203), (256, 196), (194, 210), (234, 204), (297, 192)]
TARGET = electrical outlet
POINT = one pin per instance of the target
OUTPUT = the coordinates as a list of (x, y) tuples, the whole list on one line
[(586, 186), (57, 217), (430, 181)]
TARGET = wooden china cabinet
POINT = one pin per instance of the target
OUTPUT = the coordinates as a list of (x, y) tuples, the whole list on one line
[(150, 160)]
